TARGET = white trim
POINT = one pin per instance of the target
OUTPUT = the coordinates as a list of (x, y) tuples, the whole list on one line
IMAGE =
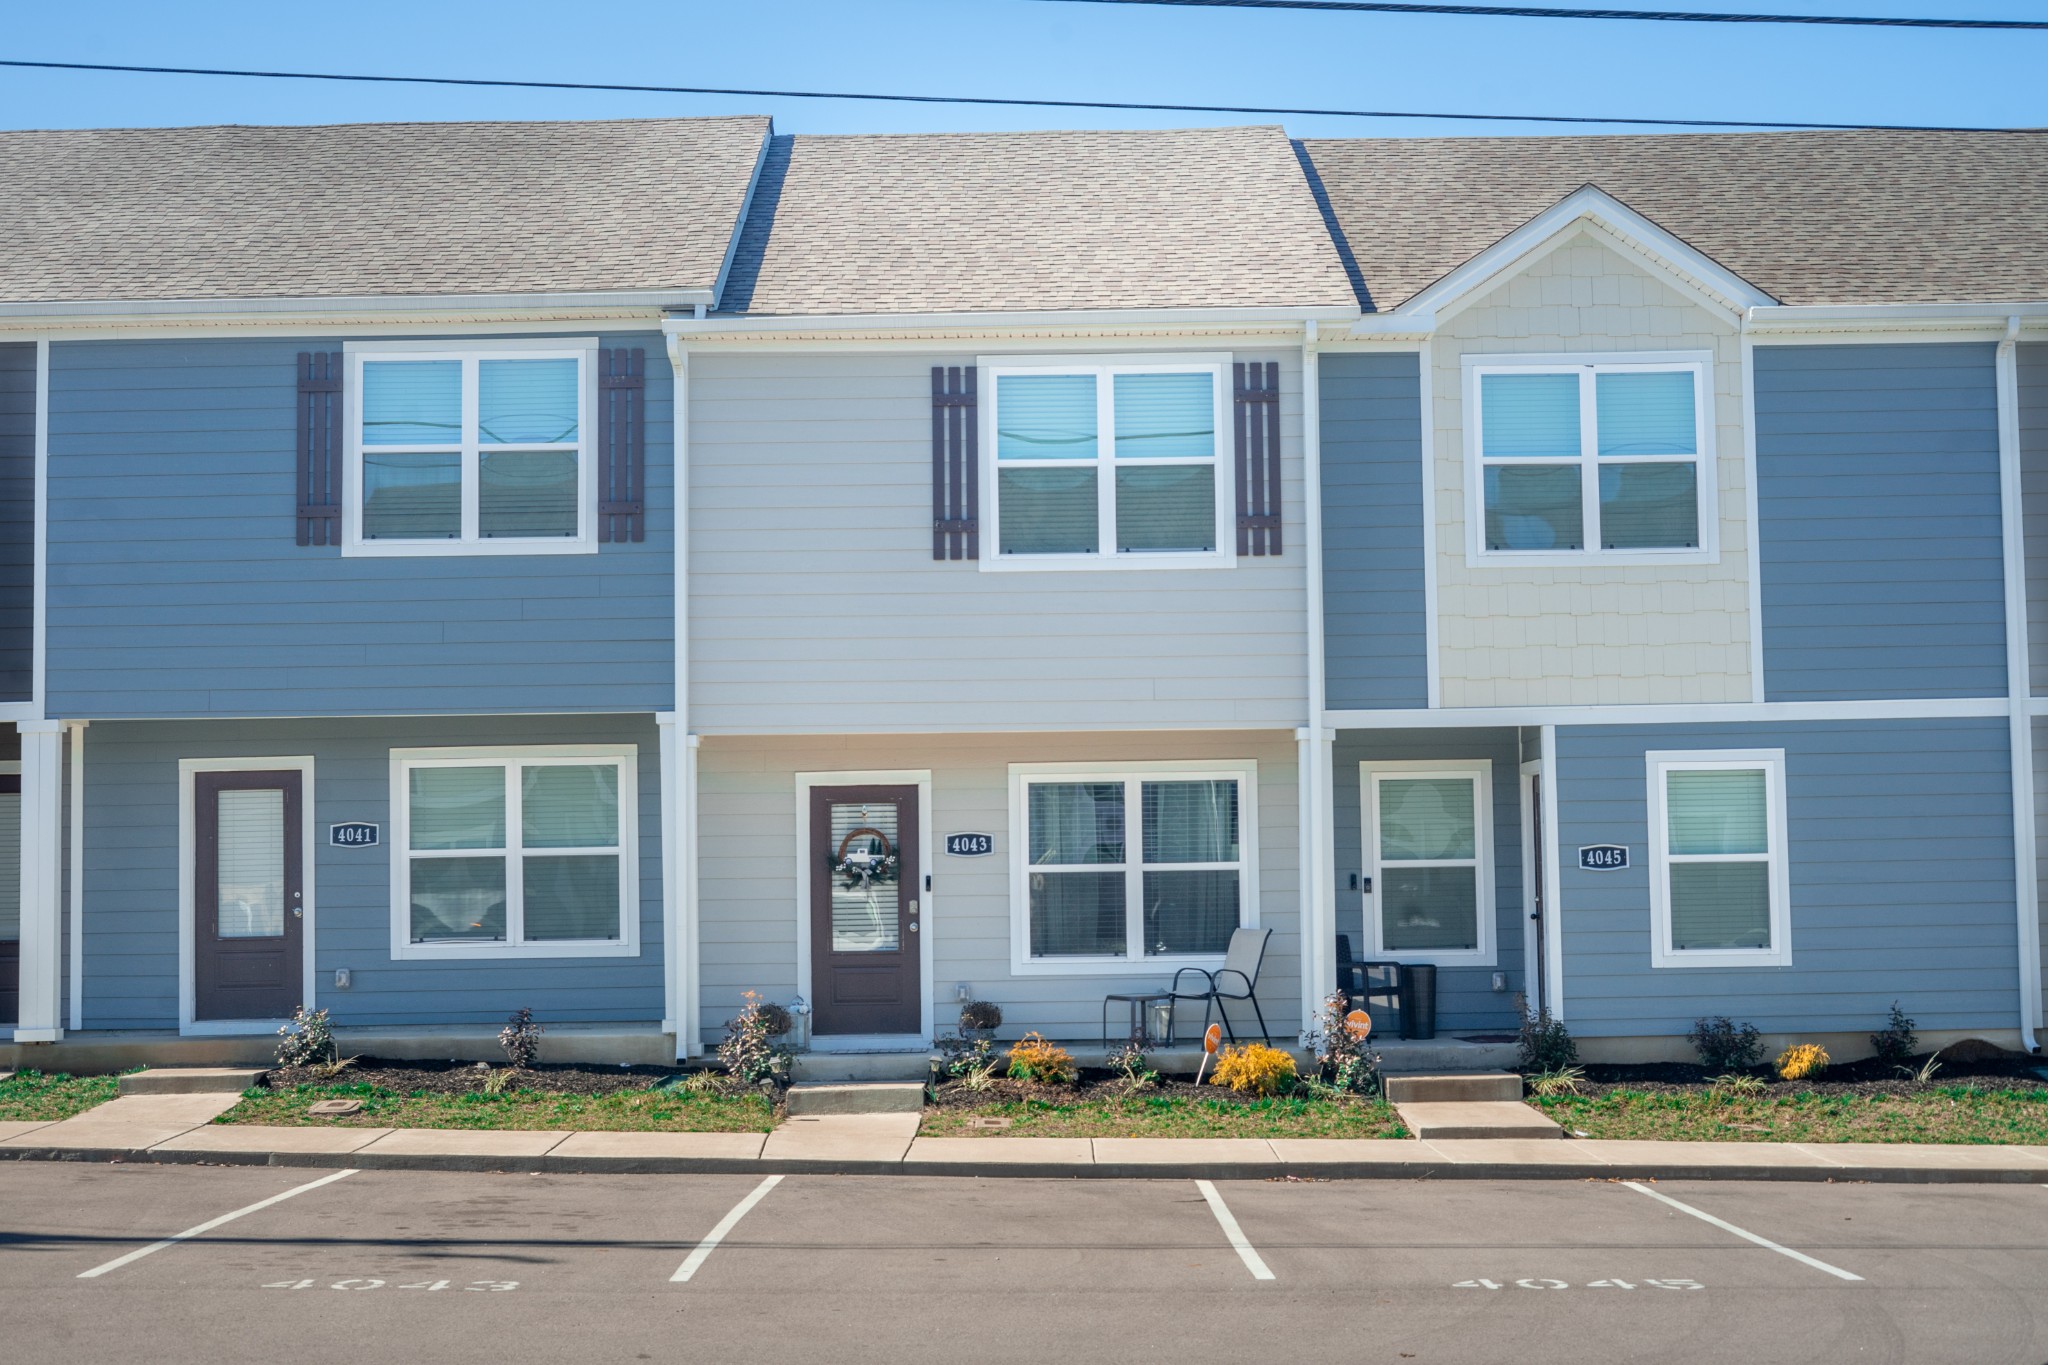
[(1533, 987), (1317, 874), (687, 1001), (1244, 772), (469, 354), (1752, 505), (323, 307), (513, 758), (1104, 463), (1478, 771), (1308, 902), (693, 918), (1659, 762), (1588, 368), (40, 639), (1431, 624), (921, 778), (76, 730), (188, 1026), (2019, 682), (1137, 319), (1651, 713), (1553, 879), (41, 1017), (671, 865), (1685, 268)]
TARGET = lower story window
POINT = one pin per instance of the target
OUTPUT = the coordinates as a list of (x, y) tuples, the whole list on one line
[(1718, 883), (1092, 889), (526, 851), (1429, 853)]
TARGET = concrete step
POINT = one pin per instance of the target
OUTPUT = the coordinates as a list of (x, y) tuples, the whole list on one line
[(1404, 1056), (1454, 1087), (1475, 1119), (191, 1080), (861, 1066), (873, 1097)]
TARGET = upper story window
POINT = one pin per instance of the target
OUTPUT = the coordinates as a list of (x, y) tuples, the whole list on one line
[(1590, 460), (1112, 464), (1719, 887), (483, 450)]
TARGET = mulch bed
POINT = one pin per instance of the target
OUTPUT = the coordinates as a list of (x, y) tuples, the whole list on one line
[(2009, 1071), (1092, 1085), (464, 1078)]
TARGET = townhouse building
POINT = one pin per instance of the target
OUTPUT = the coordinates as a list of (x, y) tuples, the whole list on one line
[(884, 571)]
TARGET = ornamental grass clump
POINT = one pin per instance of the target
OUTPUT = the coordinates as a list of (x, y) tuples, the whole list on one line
[(1255, 1069), (1032, 1058), (1802, 1061)]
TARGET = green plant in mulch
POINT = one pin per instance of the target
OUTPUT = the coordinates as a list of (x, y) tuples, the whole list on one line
[(32, 1097), (1736, 1112), (1152, 1115), (661, 1109), (1544, 1045)]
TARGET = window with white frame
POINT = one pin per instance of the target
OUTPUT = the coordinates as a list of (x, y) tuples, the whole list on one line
[(1590, 460), (1089, 889), (1108, 463), (1719, 888), (470, 452), (1428, 840), (515, 851)]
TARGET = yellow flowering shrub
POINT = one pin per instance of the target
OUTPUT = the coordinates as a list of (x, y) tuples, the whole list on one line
[(1802, 1061), (1032, 1058), (1254, 1067)]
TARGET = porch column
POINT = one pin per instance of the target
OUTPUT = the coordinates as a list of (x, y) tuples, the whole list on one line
[(42, 908), (671, 871)]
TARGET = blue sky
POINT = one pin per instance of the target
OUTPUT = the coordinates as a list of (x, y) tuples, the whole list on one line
[(1017, 47)]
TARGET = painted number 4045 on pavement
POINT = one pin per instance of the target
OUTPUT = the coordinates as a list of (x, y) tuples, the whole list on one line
[(474, 1286), (1540, 1283)]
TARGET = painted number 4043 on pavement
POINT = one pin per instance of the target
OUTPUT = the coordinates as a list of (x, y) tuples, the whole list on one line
[(1540, 1283), (474, 1286)]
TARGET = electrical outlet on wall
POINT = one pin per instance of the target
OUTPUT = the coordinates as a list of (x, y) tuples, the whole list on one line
[(963, 993), (1500, 981), (341, 978)]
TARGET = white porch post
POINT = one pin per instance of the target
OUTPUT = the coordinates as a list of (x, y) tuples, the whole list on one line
[(671, 870), (42, 906)]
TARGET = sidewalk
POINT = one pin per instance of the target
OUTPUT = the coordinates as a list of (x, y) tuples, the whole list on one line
[(178, 1129)]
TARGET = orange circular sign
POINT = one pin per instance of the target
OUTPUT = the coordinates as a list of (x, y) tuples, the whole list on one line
[(1358, 1023), (1212, 1038)]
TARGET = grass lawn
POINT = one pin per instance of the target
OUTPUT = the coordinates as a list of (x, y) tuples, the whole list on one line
[(1938, 1114), (1169, 1116), (32, 1097), (620, 1111)]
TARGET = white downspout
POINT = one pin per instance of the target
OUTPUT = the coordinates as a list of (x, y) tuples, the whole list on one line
[(2019, 684), (1319, 911), (683, 936)]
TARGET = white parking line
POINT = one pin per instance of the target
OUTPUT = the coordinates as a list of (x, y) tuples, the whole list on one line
[(209, 1226), (1233, 1231), (1798, 1256), (725, 1225)]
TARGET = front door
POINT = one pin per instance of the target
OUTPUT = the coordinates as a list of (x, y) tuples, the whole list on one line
[(247, 901), (10, 898), (865, 894)]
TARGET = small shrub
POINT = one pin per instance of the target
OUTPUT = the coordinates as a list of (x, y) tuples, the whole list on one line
[(1254, 1068), (748, 1051), (1546, 1045), (1550, 1084), (981, 1014), (1896, 1041), (971, 1061), (1032, 1058), (775, 1020), (306, 1040), (1128, 1061), (1802, 1061), (521, 1038), (1343, 1062), (1735, 1085), (1723, 1045)]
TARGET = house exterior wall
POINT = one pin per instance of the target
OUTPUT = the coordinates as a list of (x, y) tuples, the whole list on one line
[(747, 896), (178, 588), (1521, 634), (1878, 489), (1901, 865), (816, 606), (2032, 369), (1374, 608), (17, 519), (132, 894)]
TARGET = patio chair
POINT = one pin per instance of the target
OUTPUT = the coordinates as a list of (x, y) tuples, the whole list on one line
[(1236, 979), (1356, 979)]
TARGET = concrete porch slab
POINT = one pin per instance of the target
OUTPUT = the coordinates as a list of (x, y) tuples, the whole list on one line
[(239, 1138), (926, 1154), (880, 1139)]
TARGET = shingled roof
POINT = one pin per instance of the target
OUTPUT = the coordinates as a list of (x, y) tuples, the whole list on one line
[(1001, 222), (1810, 218), (371, 209)]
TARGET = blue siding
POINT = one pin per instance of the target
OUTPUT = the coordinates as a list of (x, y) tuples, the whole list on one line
[(1465, 995), (17, 519), (1877, 479), (131, 879), (1901, 862), (1373, 605), (177, 587)]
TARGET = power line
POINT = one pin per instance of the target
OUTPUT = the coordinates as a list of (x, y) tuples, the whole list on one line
[(1551, 12), (1781, 125)]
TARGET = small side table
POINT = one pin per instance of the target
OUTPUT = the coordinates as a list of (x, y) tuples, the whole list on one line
[(1139, 1004)]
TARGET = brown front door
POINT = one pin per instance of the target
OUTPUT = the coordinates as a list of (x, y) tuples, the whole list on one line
[(247, 899), (10, 898), (866, 888)]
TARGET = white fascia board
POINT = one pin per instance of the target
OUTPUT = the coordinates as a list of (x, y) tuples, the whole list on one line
[(155, 311), (739, 224), (1687, 268), (1691, 713), (1134, 319), (1895, 317)]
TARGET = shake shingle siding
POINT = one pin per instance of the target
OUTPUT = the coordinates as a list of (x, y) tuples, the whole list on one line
[(178, 588), (1878, 496)]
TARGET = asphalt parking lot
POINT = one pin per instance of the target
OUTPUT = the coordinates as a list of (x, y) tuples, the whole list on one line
[(404, 1265)]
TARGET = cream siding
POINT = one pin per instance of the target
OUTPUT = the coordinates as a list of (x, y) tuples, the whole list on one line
[(1565, 635)]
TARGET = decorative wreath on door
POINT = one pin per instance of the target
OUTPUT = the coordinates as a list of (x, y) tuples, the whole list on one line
[(873, 861)]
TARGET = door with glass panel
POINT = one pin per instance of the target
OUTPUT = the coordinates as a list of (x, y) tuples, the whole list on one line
[(865, 893), (10, 898), (1428, 847), (248, 902)]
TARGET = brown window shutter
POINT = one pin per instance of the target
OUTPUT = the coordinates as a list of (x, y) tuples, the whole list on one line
[(319, 447), (956, 464), (622, 444), (1257, 411)]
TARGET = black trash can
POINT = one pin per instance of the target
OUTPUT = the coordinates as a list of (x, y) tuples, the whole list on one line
[(1418, 1000)]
